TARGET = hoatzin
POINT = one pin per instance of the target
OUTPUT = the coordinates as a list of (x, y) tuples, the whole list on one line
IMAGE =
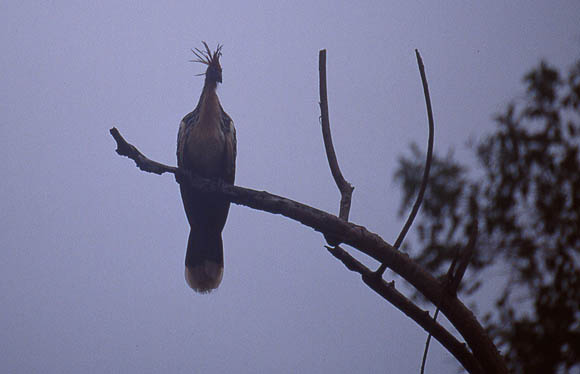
[(206, 146)]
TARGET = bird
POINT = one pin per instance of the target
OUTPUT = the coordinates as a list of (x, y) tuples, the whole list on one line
[(206, 146)]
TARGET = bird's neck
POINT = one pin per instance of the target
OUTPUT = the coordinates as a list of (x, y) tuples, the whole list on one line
[(209, 106), (210, 85)]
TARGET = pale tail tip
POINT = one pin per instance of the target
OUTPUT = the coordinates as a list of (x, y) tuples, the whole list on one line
[(205, 277)]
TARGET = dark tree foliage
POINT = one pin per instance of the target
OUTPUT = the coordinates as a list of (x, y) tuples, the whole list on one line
[(525, 195)]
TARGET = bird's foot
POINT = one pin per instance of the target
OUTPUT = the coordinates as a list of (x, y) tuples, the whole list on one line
[(180, 176), (184, 176), (220, 182)]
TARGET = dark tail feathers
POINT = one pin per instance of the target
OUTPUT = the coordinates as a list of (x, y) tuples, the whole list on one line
[(204, 260)]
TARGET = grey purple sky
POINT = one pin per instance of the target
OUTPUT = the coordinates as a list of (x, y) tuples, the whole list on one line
[(92, 249)]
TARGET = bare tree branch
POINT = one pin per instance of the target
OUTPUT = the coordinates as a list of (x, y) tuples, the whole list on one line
[(386, 290), (421, 193), (354, 235), (344, 187), (424, 360), (463, 259), (389, 293), (453, 278), (143, 163)]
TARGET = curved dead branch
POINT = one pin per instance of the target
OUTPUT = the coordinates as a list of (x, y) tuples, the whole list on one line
[(344, 187), (425, 179)]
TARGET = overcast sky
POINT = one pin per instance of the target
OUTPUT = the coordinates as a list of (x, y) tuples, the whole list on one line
[(92, 249)]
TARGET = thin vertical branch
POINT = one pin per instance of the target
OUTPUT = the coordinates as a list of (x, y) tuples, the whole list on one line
[(419, 200), (453, 278), (424, 361), (463, 259), (344, 187)]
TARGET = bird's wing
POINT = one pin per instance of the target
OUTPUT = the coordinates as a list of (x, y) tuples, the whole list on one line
[(229, 131), (185, 127)]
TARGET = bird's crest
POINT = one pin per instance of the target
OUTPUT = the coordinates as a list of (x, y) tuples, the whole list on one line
[(207, 57)]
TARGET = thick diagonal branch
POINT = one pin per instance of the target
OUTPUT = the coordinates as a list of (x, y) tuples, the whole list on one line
[(354, 235), (389, 293)]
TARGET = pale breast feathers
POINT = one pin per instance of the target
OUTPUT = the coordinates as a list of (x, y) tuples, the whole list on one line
[(208, 150)]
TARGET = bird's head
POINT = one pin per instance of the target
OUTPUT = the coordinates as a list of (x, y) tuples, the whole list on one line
[(213, 73)]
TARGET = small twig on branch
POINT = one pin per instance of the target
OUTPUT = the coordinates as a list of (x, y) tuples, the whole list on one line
[(344, 187), (143, 163), (424, 360), (419, 200), (463, 260)]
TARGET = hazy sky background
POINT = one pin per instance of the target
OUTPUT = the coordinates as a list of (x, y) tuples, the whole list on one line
[(92, 249)]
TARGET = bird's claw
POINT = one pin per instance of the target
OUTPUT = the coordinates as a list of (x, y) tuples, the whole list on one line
[(179, 176)]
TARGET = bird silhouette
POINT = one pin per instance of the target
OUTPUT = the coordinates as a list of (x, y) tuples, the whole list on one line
[(206, 146)]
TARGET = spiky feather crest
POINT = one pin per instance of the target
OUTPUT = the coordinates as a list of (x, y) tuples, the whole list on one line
[(207, 57)]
